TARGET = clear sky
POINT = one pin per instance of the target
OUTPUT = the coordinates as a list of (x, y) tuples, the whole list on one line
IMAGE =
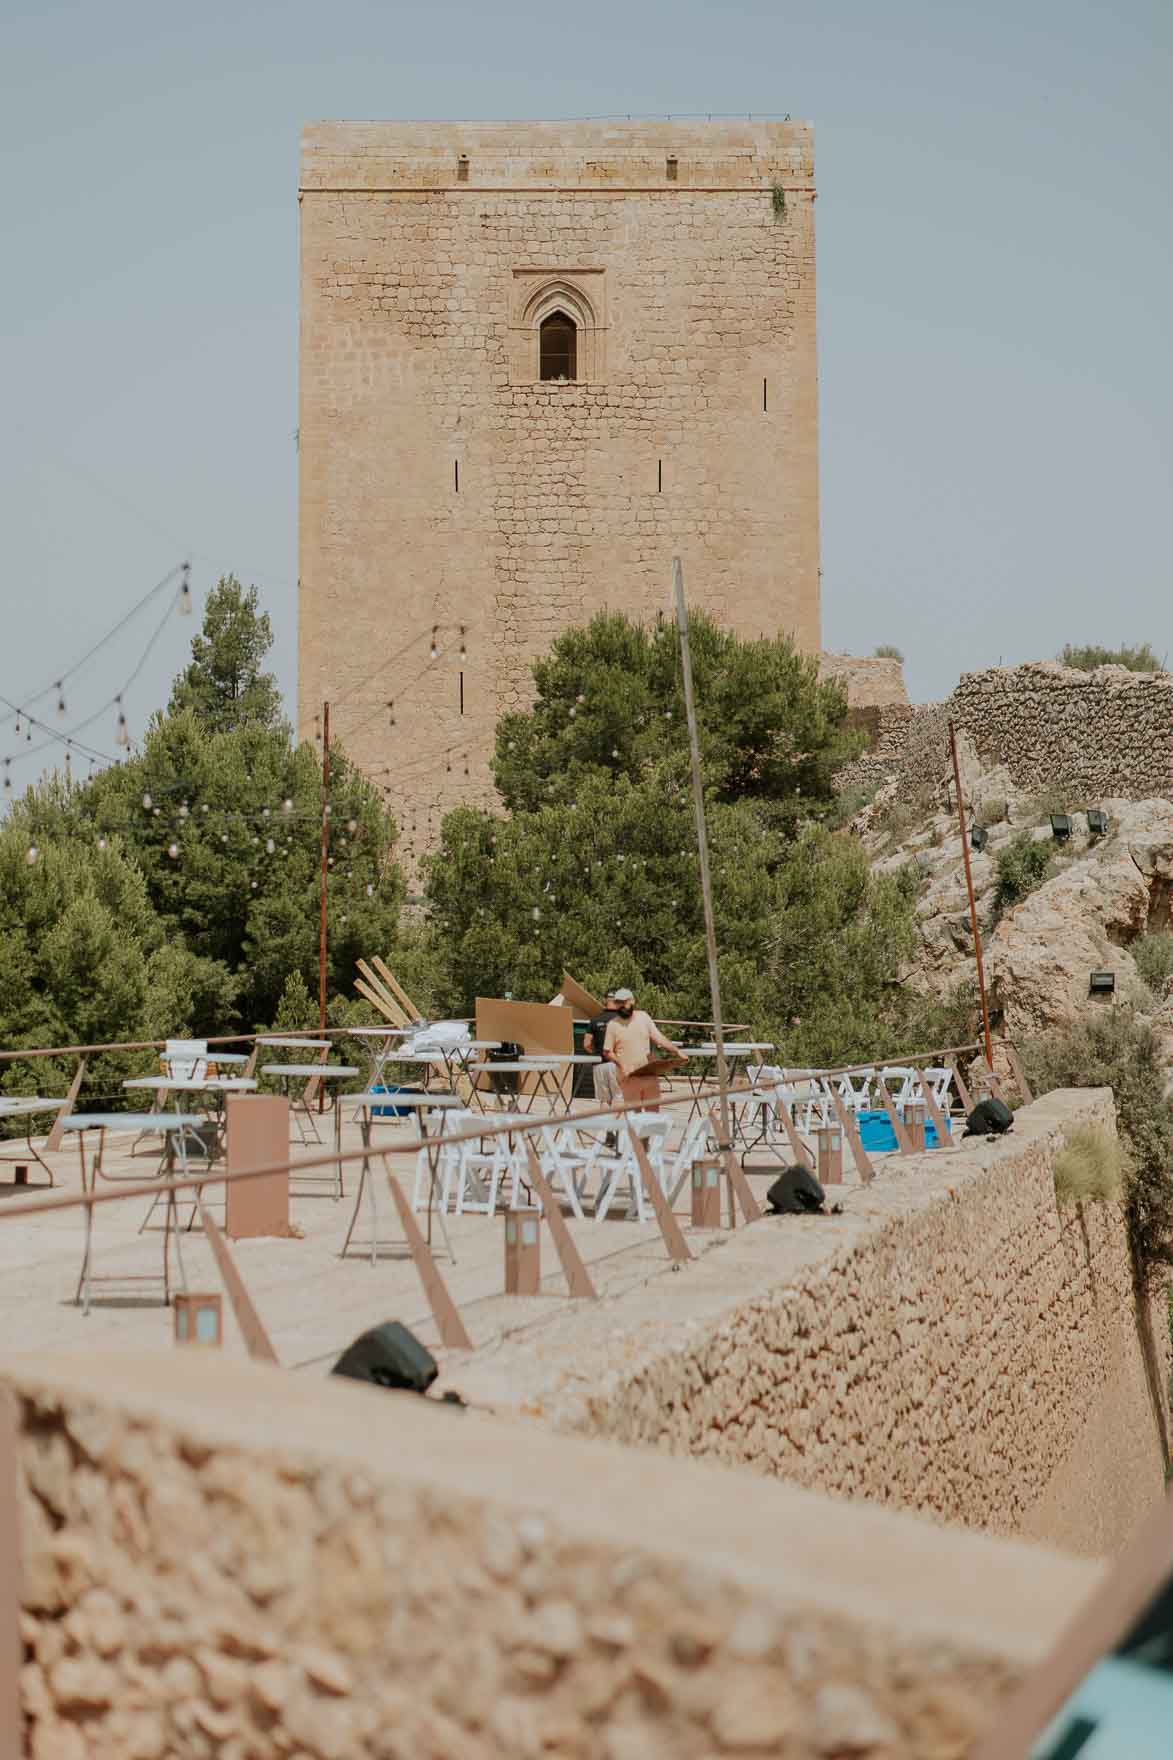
[(995, 294)]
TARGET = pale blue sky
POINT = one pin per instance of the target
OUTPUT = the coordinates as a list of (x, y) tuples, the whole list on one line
[(995, 293)]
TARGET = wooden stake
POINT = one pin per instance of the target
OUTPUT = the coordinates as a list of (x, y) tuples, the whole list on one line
[(573, 1269), (444, 1310), (1018, 1071), (252, 1330), (895, 1120), (977, 934), (396, 988), (934, 1111), (739, 1186), (53, 1141), (724, 1133), (669, 1227), (867, 1172), (959, 1084)]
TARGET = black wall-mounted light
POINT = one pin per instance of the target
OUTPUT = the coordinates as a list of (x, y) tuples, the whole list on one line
[(1102, 983), (1097, 821), (1061, 826), (978, 837)]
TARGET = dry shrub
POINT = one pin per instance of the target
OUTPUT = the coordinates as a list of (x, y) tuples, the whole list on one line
[(1089, 1166)]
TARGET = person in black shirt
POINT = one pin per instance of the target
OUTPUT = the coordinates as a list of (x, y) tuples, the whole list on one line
[(605, 1074)]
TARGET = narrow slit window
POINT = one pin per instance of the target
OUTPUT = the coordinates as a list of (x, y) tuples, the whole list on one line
[(659, 476), (456, 474), (462, 694), (558, 338), (765, 405)]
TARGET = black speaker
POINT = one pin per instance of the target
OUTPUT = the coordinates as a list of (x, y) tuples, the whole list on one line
[(389, 1356), (989, 1118), (796, 1192)]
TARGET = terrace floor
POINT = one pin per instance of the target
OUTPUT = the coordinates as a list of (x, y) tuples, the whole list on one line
[(312, 1302)]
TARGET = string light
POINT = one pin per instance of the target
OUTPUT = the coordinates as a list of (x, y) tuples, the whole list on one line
[(184, 810), (148, 803), (7, 780), (435, 650), (60, 698), (122, 736), (101, 843), (31, 856), (463, 644), (270, 845), (286, 805), (173, 850), (185, 591)]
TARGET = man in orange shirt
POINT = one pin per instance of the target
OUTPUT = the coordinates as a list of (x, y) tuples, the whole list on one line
[(628, 1046)]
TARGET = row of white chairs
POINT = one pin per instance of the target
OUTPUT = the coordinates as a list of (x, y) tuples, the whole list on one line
[(809, 1094), (475, 1176)]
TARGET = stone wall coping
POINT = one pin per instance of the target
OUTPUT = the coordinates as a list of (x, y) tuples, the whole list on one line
[(892, 1570), (579, 1356)]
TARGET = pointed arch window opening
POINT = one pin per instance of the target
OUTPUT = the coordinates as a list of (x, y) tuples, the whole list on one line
[(558, 347)]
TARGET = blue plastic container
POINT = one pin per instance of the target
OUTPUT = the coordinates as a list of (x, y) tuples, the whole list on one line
[(876, 1133), (392, 1111)]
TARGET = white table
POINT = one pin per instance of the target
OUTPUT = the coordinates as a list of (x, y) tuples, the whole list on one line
[(218, 1086), (706, 1056), (27, 1106), (367, 1103), (172, 1126), (285, 1074)]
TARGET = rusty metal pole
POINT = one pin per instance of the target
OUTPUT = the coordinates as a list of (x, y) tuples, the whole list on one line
[(702, 842), (977, 938), (323, 885)]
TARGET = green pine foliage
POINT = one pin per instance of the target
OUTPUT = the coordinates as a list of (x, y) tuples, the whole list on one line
[(107, 935), (1138, 658), (592, 864)]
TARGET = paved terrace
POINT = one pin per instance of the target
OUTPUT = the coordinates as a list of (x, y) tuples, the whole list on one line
[(312, 1302)]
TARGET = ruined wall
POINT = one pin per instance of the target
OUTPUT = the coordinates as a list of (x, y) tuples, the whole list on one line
[(954, 1344), (872, 681), (442, 483), (228, 1562), (1108, 732)]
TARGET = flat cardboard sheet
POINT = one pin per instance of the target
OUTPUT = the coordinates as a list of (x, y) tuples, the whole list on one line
[(542, 1029), (580, 1002), (258, 1136)]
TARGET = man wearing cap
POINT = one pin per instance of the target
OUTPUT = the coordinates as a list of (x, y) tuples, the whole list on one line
[(628, 1044)]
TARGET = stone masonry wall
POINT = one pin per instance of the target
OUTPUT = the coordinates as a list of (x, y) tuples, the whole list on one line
[(1107, 732), (227, 1562), (955, 1344), (442, 483)]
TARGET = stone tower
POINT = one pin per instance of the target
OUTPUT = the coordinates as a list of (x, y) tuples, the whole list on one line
[(537, 361)]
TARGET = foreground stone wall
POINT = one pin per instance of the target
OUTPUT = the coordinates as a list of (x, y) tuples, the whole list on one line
[(1108, 732), (954, 1343), (222, 1560)]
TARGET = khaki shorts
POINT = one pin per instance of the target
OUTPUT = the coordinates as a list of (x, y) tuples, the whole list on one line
[(606, 1079)]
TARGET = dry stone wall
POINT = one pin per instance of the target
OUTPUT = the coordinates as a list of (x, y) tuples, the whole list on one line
[(225, 1562), (1107, 732), (955, 1344)]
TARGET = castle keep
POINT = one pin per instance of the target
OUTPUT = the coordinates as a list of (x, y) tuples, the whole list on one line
[(537, 361)]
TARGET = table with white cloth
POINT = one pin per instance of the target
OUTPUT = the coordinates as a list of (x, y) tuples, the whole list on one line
[(368, 1104), (172, 1126), (27, 1106)]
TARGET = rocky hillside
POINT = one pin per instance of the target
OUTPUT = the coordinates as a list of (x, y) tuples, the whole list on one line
[(1097, 899)]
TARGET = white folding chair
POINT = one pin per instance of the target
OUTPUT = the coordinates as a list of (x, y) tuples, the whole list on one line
[(855, 1089), (940, 1081), (676, 1171), (652, 1129), (564, 1163), (900, 1081), (185, 1060)]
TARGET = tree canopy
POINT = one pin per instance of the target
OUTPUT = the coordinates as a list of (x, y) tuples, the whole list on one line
[(591, 864), (224, 685)]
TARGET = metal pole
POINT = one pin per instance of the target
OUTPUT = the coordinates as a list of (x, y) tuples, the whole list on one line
[(977, 938), (322, 884), (698, 797)]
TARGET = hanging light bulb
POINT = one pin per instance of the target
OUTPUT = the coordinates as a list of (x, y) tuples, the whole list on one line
[(435, 649), (264, 812), (122, 735), (31, 854), (185, 591), (155, 814), (7, 781), (18, 724), (184, 810), (205, 808), (270, 845), (60, 698), (463, 644), (352, 825), (101, 843), (370, 890), (224, 837), (287, 805), (148, 803), (173, 850), (253, 884)]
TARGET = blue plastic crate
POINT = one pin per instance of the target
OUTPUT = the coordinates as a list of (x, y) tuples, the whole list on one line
[(392, 1111)]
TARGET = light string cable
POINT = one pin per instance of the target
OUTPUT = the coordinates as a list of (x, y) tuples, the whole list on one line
[(20, 710)]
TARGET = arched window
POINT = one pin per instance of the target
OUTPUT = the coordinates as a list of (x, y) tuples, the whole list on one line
[(559, 347)]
